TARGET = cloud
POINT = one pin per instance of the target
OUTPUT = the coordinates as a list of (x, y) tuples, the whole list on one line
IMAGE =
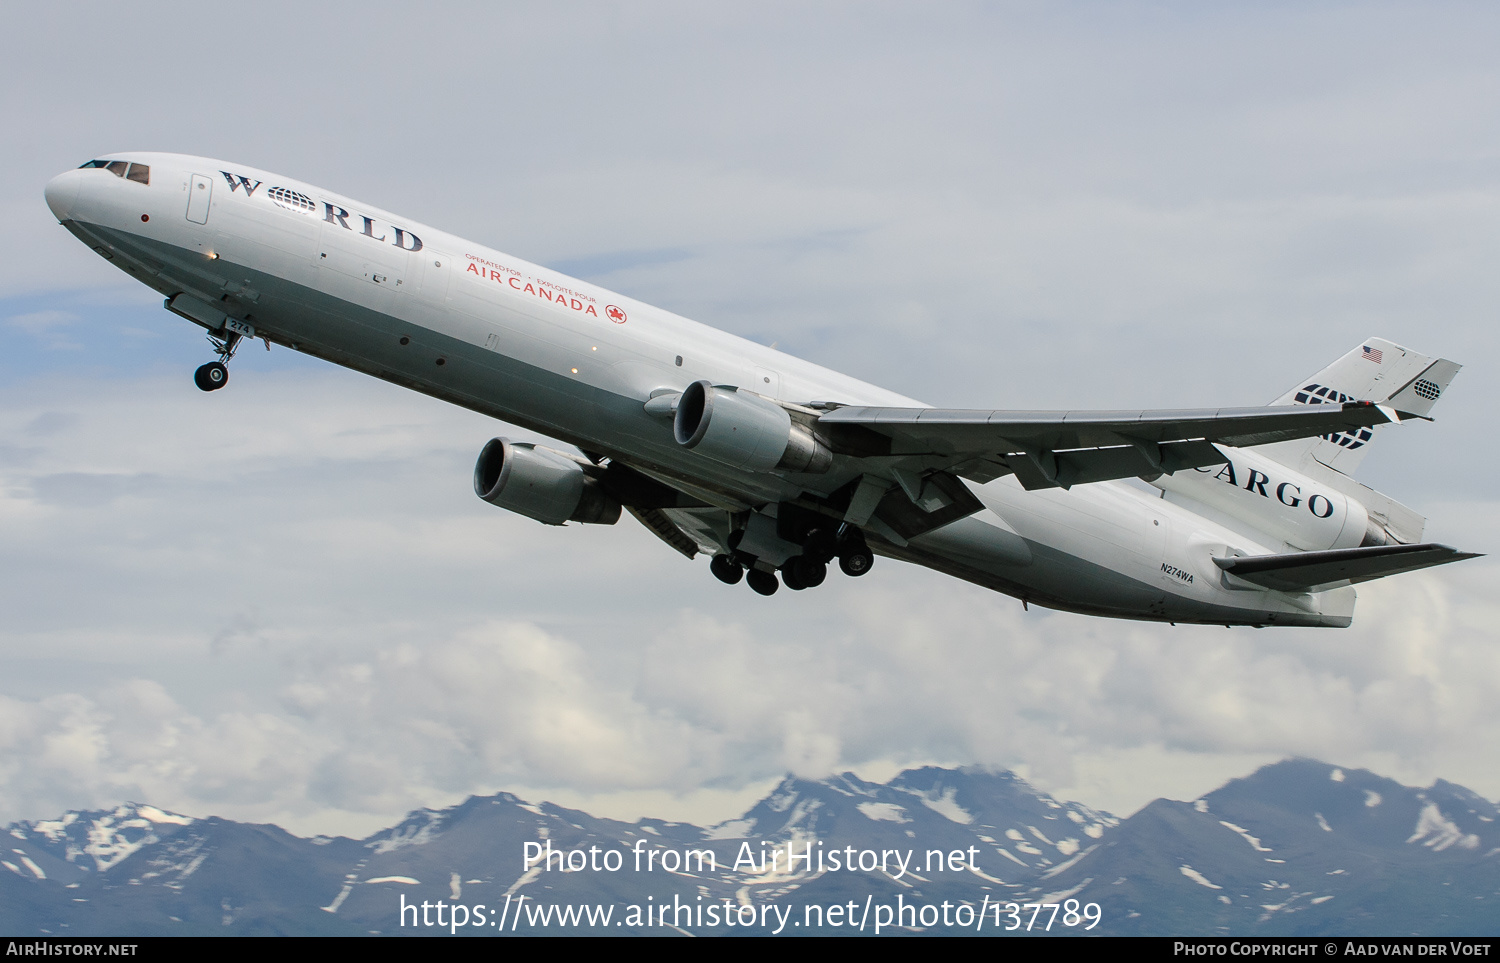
[(505, 704), (41, 322), (52, 327)]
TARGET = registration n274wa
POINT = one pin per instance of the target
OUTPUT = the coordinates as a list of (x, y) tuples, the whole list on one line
[(773, 467)]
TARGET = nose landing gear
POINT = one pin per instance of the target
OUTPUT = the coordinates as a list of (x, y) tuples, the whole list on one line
[(215, 374), (212, 376)]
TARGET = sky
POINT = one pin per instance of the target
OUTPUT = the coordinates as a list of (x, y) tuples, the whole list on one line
[(282, 602)]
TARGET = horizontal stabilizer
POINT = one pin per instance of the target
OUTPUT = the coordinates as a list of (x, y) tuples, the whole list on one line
[(1318, 571)]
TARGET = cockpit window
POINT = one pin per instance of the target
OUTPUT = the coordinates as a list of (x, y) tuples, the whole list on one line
[(140, 173)]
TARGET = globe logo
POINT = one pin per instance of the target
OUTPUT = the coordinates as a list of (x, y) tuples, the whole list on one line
[(291, 200)]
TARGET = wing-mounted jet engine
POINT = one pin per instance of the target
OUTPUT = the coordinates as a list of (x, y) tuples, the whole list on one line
[(555, 487), (543, 484), (743, 430)]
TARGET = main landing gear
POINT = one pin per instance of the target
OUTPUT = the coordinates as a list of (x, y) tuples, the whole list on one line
[(804, 571), (726, 569), (215, 374)]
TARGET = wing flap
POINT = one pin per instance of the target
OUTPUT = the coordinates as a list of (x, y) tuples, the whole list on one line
[(1317, 571), (1049, 449), (1101, 464), (939, 499), (657, 522)]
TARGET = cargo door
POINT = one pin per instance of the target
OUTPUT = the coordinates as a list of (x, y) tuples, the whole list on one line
[(359, 269)]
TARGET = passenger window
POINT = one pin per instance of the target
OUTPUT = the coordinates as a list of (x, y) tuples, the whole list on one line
[(139, 173), (117, 168)]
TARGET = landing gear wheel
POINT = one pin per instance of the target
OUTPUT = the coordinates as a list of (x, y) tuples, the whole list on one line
[(212, 376), (790, 578), (809, 571), (856, 561), (215, 374), (726, 569), (763, 582)]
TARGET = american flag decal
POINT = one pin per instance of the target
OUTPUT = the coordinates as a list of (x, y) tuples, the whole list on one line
[(1372, 354)]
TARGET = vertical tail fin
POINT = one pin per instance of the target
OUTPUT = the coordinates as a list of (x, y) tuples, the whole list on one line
[(1377, 371)]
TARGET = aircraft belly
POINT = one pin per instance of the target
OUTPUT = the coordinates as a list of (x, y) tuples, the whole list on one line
[(982, 540), (1099, 522), (1104, 550), (498, 365), (1058, 580)]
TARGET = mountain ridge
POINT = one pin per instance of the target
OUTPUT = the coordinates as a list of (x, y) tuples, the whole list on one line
[(1298, 847)]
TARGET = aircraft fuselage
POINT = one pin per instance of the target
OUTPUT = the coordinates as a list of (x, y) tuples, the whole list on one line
[(362, 287)]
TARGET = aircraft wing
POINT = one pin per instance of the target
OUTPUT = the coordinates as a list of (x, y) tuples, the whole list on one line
[(1317, 571), (1059, 449)]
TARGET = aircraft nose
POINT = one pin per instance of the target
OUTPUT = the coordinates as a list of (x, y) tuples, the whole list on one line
[(62, 194)]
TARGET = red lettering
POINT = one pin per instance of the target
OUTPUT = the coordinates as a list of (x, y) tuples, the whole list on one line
[(540, 289)]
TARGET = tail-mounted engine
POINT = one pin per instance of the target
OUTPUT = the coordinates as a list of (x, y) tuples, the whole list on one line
[(744, 430), (1283, 503), (542, 484)]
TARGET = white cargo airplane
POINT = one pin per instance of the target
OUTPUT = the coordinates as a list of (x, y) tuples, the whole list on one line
[(765, 462)]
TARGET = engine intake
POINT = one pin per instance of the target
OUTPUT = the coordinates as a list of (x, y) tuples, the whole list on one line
[(542, 484), (744, 430)]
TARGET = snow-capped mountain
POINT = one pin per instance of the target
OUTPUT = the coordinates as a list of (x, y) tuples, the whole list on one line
[(1299, 847), (1302, 847)]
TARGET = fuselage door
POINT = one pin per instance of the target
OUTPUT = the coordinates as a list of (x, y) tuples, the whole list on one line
[(1168, 552), (434, 274), (766, 382), (365, 270), (200, 192)]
